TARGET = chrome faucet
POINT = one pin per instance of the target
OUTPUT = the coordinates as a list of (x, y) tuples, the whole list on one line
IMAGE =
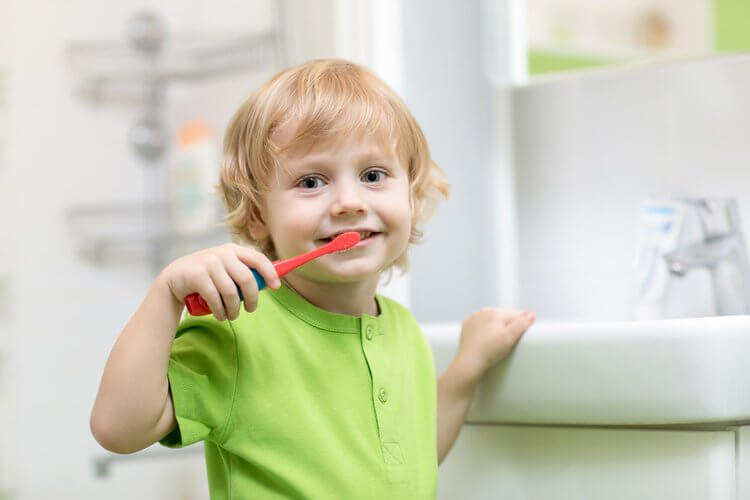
[(721, 251)]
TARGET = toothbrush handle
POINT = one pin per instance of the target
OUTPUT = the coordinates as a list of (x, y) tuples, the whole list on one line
[(197, 306), (258, 279)]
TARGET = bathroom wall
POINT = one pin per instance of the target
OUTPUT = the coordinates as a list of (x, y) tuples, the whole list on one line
[(590, 147), (447, 89), (64, 152), (5, 419)]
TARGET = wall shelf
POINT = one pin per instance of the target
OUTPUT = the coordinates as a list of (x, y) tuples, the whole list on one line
[(118, 71), (132, 233), (138, 70)]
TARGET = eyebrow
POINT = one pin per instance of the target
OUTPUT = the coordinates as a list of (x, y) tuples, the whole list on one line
[(313, 162)]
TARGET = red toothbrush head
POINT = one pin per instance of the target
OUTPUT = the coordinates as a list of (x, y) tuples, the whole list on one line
[(341, 242), (344, 241)]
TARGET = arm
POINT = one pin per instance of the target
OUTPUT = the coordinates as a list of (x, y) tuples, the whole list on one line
[(487, 336), (133, 408), (454, 394)]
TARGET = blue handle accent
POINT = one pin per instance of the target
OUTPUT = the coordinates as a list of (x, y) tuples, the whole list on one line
[(258, 279)]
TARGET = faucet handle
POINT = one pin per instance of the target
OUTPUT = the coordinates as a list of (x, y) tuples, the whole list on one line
[(718, 216), (705, 254)]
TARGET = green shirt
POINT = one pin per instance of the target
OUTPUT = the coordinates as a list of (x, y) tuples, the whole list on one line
[(296, 402)]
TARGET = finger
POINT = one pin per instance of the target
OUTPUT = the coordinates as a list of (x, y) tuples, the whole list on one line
[(211, 295), (519, 324), (505, 315), (226, 288), (497, 314), (243, 277), (262, 265)]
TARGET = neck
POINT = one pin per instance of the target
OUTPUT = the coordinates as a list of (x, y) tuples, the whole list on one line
[(354, 299)]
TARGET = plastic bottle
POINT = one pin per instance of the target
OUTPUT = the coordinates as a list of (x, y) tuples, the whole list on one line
[(194, 169)]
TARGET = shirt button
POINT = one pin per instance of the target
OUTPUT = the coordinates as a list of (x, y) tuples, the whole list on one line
[(383, 395), (369, 332)]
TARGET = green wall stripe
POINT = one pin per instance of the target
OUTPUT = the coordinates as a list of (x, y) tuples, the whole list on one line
[(541, 62), (732, 25)]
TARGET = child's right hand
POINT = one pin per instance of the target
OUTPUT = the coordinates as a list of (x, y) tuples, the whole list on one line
[(213, 273)]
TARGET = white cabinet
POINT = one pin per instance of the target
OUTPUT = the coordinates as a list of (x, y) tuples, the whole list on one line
[(532, 463), (650, 410)]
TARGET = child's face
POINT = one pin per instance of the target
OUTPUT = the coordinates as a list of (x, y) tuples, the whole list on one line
[(354, 183)]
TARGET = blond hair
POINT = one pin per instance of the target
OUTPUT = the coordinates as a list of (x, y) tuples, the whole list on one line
[(324, 99)]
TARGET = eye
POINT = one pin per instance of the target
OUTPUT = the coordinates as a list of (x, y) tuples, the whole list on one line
[(310, 182), (373, 176)]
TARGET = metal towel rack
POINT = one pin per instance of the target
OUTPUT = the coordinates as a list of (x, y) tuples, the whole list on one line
[(138, 72)]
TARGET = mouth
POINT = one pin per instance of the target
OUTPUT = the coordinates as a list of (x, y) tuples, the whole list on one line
[(363, 236)]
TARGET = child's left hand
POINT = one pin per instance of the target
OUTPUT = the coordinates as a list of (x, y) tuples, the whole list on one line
[(487, 336)]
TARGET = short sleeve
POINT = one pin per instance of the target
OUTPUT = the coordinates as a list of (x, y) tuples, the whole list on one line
[(202, 377)]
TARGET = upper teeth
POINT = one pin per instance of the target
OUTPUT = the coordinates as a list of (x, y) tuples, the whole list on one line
[(362, 235)]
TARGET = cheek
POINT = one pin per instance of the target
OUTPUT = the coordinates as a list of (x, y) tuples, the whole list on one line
[(288, 221), (297, 225), (400, 213), (297, 220)]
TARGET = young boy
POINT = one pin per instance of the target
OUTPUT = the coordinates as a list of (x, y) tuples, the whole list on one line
[(321, 389)]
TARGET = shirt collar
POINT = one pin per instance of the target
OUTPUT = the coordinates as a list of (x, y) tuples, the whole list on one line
[(321, 318)]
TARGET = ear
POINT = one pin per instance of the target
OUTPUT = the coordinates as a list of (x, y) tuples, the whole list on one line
[(256, 226)]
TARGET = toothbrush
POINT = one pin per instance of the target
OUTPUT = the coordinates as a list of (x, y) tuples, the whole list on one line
[(197, 306)]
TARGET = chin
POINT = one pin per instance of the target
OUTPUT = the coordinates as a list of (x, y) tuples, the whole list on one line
[(356, 275), (350, 275)]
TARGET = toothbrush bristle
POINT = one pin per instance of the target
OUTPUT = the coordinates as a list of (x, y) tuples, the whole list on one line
[(345, 241)]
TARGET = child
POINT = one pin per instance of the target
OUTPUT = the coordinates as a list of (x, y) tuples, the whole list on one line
[(321, 389)]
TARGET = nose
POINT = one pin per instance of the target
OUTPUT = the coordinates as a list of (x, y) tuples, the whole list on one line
[(348, 198)]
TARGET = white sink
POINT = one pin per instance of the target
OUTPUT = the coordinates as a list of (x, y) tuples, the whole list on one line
[(687, 371)]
